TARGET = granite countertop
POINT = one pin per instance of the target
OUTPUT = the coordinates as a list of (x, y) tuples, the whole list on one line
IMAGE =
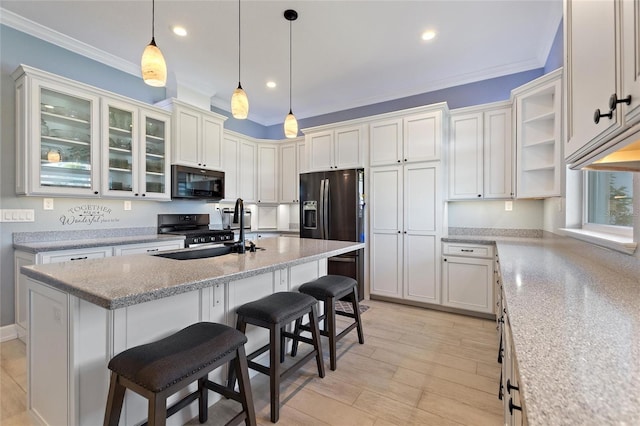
[(117, 282), (574, 310)]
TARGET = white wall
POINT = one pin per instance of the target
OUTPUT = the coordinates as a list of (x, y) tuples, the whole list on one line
[(526, 214)]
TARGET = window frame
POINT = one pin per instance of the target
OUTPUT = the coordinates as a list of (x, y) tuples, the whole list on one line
[(614, 230)]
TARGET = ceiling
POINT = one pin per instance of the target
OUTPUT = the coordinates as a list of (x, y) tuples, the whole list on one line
[(346, 54)]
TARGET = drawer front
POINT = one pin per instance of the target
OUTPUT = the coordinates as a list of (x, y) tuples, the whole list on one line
[(68, 255), (470, 250), (147, 248)]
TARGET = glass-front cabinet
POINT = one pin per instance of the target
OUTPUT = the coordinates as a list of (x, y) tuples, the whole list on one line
[(135, 163), (60, 126), (77, 140)]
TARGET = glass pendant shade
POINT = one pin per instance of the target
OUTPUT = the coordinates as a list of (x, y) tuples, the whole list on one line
[(291, 126), (239, 103), (154, 68)]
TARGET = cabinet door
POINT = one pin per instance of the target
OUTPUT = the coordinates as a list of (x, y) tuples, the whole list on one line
[(154, 149), (211, 143), (631, 59), (21, 259), (422, 137), (421, 231), (186, 144), (231, 159), (591, 71), (267, 175), (120, 160), (60, 127), (468, 283), (320, 150), (385, 142), (288, 173), (301, 149), (247, 169), (386, 231), (498, 160), (348, 148), (466, 156)]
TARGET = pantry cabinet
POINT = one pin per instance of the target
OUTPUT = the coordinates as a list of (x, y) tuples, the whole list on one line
[(135, 161), (407, 138), (603, 86), (405, 229), (197, 135), (480, 153), (334, 148), (538, 137)]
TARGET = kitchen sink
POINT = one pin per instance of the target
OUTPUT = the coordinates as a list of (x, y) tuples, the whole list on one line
[(197, 254)]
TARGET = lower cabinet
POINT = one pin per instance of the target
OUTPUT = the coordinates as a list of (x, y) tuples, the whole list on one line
[(510, 382), (22, 258), (468, 277)]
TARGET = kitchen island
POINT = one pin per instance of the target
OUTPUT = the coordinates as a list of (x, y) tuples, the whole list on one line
[(83, 313)]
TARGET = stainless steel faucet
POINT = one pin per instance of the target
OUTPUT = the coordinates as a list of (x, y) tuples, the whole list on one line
[(239, 210)]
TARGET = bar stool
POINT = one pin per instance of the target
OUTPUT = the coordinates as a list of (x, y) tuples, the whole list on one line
[(159, 369), (274, 312), (328, 289)]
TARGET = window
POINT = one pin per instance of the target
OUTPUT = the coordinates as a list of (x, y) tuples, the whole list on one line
[(609, 202)]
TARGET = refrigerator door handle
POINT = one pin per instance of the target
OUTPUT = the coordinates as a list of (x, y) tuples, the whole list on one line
[(325, 213), (321, 218)]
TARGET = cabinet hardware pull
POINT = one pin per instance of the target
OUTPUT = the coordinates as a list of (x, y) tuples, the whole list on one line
[(95, 192), (614, 101), (597, 115), (479, 195), (444, 260), (467, 250), (512, 406), (79, 258), (510, 386), (150, 250)]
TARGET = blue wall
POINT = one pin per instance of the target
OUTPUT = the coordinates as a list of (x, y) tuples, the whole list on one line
[(555, 59)]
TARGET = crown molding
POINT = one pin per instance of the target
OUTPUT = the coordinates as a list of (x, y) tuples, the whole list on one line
[(49, 35)]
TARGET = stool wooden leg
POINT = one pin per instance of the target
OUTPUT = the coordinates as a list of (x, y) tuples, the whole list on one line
[(244, 385), (330, 308), (241, 325), (203, 399), (157, 410), (274, 371), (356, 311), (296, 331), (315, 335), (114, 402)]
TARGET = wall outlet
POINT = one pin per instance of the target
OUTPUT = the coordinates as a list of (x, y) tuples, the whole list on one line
[(508, 206), (47, 203), (127, 205)]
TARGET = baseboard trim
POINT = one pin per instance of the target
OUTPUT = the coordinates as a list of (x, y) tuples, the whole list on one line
[(8, 332)]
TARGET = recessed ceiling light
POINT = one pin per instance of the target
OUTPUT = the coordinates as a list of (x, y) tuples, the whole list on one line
[(428, 35), (271, 84), (179, 31)]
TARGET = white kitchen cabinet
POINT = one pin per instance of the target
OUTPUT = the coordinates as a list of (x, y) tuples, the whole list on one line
[(334, 148), (147, 248), (231, 159), (409, 138), (480, 153), (57, 136), (511, 398), (267, 173), (538, 137), (135, 151), (468, 277), (405, 228), (197, 135), (291, 157), (247, 170)]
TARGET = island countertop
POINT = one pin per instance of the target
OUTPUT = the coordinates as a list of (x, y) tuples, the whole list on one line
[(574, 310), (118, 282)]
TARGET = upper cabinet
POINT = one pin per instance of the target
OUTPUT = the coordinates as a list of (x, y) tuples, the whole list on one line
[(602, 77), (411, 138), (538, 137), (62, 127), (334, 148), (267, 173), (135, 159), (291, 158), (480, 153), (240, 163), (197, 135)]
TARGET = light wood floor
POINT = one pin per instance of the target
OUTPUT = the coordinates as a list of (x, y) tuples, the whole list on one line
[(417, 367)]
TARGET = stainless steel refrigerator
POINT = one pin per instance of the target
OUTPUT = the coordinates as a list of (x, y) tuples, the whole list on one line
[(332, 208)]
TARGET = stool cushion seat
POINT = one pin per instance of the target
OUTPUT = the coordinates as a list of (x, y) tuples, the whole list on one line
[(158, 365), (329, 286), (277, 307)]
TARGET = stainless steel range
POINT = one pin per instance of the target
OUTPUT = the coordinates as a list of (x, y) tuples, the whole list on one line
[(195, 228)]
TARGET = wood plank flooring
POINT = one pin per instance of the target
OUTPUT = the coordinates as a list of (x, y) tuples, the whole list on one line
[(417, 367)]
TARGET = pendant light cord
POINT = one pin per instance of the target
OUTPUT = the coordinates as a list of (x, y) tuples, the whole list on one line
[(153, 20), (239, 44), (290, 66)]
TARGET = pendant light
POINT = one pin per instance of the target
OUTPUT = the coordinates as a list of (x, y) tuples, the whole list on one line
[(154, 68), (239, 100), (290, 122)]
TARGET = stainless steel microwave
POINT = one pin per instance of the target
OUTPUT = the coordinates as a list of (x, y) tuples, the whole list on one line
[(201, 184)]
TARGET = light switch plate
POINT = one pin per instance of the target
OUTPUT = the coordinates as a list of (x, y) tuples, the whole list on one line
[(17, 215), (508, 206), (127, 205)]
